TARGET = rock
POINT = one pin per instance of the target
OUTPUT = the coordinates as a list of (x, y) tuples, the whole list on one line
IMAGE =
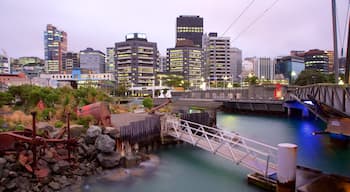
[(54, 185), (23, 183), (109, 160), (111, 131), (92, 133), (11, 185), (60, 166), (129, 161), (10, 158), (44, 126), (3, 162), (76, 130), (105, 144), (12, 174)]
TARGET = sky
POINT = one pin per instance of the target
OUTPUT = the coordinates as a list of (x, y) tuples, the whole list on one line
[(288, 25)]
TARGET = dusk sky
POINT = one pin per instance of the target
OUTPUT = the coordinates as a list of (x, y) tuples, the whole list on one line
[(288, 25)]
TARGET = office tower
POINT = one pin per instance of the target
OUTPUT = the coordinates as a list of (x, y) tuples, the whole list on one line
[(290, 67), (163, 64), (110, 65), (55, 42), (70, 60), (189, 28), (330, 55), (136, 60), (264, 68), (92, 60), (187, 61), (316, 59), (236, 63), (4, 64), (218, 68)]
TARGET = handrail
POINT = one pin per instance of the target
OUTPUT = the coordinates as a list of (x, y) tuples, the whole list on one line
[(239, 148)]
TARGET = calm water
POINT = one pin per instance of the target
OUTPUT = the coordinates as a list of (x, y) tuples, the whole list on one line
[(185, 168)]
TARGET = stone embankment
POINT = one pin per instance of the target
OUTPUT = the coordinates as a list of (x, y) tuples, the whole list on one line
[(94, 154)]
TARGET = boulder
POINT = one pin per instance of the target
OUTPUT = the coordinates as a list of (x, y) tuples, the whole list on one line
[(3, 162), (111, 131), (109, 160), (76, 130), (44, 126), (105, 144), (92, 133), (60, 166), (54, 185)]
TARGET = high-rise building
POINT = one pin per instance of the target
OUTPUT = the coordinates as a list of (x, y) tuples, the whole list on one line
[(218, 68), (264, 68), (136, 60), (330, 55), (70, 60), (110, 65), (4, 64), (236, 63), (92, 60), (163, 64), (189, 28), (290, 67), (187, 60), (316, 59), (55, 42)]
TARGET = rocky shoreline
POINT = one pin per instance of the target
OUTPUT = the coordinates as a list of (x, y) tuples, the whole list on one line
[(95, 155)]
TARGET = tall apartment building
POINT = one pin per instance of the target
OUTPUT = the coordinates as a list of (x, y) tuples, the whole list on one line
[(55, 43), (110, 65), (187, 60), (70, 60), (136, 60), (218, 68), (92, 60), (163, 64), (189, 28), (330, 55)]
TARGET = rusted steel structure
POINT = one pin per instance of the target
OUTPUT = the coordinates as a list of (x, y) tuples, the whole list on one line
[(100, 111), (13, 141)]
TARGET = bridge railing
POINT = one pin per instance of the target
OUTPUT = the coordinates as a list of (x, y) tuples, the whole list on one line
[(252, 154)]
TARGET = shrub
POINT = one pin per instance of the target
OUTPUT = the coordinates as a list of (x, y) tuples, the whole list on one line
[(85, 121), (147, 102), (59, 124)]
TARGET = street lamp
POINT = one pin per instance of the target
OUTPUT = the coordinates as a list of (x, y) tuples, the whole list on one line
[(293, 74)]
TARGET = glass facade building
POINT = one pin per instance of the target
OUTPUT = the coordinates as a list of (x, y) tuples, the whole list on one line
[(290, 67), (55, 43), (316, 59), (92, 60), (189, 28)]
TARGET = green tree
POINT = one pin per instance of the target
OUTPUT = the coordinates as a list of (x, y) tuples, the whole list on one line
[(147, 102), (308, 77), (5, 98), (253, 80)]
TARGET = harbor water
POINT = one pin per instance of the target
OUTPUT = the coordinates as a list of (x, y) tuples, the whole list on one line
[(186, 168)]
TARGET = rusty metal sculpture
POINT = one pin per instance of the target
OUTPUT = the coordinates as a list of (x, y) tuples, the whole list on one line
[(13, 141), (99, 111)]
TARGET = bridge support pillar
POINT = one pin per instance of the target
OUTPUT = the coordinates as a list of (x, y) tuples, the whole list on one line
[(286, 167)]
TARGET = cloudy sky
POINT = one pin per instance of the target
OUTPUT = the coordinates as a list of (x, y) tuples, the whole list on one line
[(288, 25)]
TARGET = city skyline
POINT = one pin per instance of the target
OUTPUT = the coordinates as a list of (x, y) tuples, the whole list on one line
[(288, 25)]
